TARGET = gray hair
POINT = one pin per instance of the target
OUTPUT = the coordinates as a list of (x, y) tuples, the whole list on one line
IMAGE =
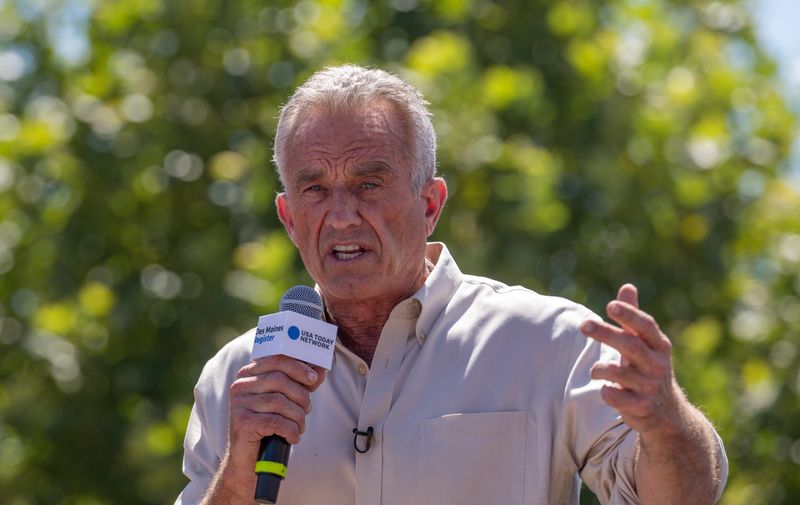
[(348, 87)]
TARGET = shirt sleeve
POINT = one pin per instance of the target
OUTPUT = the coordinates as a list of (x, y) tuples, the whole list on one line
[(200, 460), (207, 432), (600, 446)]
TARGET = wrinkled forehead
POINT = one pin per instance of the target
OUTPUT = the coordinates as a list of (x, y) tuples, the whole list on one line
[(374, 117), (376, 126)]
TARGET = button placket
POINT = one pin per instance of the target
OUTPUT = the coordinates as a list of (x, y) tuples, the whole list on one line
[(378, 396)]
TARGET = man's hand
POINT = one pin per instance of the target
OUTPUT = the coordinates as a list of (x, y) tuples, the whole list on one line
[(271, 396), (644, 390), (677, 459)]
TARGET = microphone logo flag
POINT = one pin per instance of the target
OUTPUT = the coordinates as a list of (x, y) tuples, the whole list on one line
[(295, 335)]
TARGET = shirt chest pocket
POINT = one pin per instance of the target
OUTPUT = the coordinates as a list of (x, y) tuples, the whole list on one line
[(470, 459)]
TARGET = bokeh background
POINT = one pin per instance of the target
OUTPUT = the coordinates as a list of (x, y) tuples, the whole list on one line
[(586, 143)]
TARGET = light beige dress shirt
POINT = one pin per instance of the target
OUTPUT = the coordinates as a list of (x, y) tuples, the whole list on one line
[(478, 393)]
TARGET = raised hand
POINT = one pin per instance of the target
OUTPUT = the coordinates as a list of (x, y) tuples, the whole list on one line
[(642, 386), (678, 460)]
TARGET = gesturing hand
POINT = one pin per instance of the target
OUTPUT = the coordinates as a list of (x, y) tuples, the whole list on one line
[(642, 386)]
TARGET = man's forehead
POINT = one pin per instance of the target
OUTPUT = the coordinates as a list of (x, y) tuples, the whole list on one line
[(306, 173), (373, 119), (359, 137)]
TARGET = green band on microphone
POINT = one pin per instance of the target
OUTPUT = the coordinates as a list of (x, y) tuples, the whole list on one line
[(271, 467)]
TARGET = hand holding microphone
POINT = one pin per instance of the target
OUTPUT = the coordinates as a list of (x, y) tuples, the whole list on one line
[(297, 331), (271, 397)]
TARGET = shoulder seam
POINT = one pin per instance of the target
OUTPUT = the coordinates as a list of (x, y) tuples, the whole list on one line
[(503, 288)]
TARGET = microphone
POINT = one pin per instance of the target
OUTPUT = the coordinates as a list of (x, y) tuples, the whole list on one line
[(281, 334)]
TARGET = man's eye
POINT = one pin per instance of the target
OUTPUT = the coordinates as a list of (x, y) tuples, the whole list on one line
[(314, 188), (369, 185)]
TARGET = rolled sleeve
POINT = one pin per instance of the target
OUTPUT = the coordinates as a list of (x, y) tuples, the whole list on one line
[(600, 445)]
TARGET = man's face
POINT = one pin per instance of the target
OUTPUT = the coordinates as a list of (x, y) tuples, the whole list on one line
[(350, 208)]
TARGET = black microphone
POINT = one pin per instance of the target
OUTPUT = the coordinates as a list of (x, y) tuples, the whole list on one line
[(273, 454)]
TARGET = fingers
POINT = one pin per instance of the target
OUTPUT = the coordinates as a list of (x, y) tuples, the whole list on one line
[(629, 346), (626, 377), (272, 396), (272, 382), (320, 378), (269, 414), (642, 385), (296, 370), (629, 294), (635, 406), (639, 323)]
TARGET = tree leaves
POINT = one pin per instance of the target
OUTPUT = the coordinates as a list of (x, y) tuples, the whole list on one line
[(586, 144)]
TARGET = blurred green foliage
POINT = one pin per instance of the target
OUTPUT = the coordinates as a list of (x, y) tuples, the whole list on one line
[(586, 144)]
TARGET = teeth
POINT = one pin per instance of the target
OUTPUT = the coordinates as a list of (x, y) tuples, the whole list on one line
[(347, 251), (345, 256), (345, 248)]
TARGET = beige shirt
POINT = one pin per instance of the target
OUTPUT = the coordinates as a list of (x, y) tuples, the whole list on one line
[(479, 393)]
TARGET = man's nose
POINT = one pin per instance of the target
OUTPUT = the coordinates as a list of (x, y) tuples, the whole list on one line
[(344, 209)]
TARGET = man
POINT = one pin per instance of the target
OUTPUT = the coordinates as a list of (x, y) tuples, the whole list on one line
[(477, 392)]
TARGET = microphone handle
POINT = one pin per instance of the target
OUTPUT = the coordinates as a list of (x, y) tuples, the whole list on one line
[(273, 456)]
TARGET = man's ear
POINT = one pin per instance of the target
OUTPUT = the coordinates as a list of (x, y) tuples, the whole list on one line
[(285, 215), (435, 194)]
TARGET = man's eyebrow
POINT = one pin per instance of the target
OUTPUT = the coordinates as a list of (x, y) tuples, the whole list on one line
[(306, 175), (377, 168), (310, 174)]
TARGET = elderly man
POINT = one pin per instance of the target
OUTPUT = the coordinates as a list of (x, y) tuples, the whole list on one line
[(477, 392)]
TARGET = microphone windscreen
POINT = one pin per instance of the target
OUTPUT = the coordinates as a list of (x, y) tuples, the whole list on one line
[(302, 300)]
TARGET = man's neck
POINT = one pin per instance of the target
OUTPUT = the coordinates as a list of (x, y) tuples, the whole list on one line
[(360, 332), (360, 324)]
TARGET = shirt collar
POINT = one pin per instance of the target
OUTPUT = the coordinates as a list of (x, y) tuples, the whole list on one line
[(429, 301), (439, 287)]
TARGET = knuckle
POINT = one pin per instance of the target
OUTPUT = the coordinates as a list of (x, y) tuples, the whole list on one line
[(649, 388), (660, 368), (611, 396), (239, 416), (238, 386), (640, 407), (304, 401), (634, 346), (275, 402), (277, 380), (625, 374), (247, 418), (651, 323), (274, 422), (597, 374), (286, 409), (288, 428)]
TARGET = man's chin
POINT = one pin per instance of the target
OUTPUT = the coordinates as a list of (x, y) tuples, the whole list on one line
[(351, 292)]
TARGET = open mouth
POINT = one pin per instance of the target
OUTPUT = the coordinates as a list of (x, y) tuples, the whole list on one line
[(347, 252)]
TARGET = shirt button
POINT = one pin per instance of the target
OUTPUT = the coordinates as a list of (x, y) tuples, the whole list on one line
[(362, 369), (422, 337)]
